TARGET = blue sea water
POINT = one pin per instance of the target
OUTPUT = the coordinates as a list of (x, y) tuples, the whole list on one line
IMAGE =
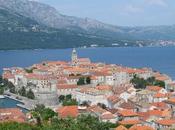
[(10, 103), (159, 58)]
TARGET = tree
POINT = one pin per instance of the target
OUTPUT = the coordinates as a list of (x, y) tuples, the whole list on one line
[(88, 80), (70, 102), (102, 105), (82, 122), (61, 98), (1, 90), (151, 80), (160, 83), (30, 70), (85, 103), (36, 116), (30, 94), (17, 126), (11, 86), (68, 97), (22, 91), (39, 108), (47, 114), (1, 79), (139, 83), (81, 81)]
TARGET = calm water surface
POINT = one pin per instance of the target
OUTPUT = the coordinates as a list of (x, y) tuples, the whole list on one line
[(10, 103), (158, 58)]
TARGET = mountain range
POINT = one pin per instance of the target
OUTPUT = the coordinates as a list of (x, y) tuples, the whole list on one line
[(28, 24)]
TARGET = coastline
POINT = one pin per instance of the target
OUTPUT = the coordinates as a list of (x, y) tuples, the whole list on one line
[(24, 103), (98, 47)]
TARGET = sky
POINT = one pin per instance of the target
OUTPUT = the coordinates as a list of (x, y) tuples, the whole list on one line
[(119, 12)]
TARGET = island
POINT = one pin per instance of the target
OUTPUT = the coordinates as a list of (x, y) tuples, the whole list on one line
[(80, 94)]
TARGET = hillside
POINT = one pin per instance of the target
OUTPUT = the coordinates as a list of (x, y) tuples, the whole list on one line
[(19, 32), (31, 25)]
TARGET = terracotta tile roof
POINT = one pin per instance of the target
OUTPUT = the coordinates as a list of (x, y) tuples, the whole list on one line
[(155, 113), (166, 122), (107, 115), (170, 101), (135, 127), (161, 78), (104, 87), (56, 62), (12, 114), (68, 111), (113, 99), (158, 113), (66, 86), (127, 113), (62, 81), (86, 60), (154, 88), (127, 105), (143, 115), (77, 69), (160, 95), (159, 105), (96, 109), (130, 122), (93, 78), (121, 128), (113, 111)]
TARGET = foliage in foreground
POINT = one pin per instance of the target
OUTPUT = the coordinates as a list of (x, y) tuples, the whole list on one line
[(67, 100), (85, 122), (47, 119), (140, 83)]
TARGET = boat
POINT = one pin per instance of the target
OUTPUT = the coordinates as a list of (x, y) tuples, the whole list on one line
[(2, 96)]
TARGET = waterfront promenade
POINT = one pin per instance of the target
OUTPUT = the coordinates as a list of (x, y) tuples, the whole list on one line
[(25, 102)]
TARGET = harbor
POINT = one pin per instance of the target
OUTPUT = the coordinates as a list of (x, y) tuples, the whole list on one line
[(9, 100)]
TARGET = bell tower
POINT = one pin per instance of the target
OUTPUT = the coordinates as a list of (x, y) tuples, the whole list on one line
[(74, 57)]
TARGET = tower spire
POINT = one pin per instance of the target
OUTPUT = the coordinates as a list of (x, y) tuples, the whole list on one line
[(74, 57)]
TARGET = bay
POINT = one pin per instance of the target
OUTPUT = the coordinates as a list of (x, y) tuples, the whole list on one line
[(159, 58)]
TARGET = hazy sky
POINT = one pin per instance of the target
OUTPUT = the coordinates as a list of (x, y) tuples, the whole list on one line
[(119, 12)]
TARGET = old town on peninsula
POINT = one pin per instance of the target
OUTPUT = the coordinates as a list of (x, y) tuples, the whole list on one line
[(139, 97)]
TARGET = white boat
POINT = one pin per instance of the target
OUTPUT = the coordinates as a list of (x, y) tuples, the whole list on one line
[(1, 97)]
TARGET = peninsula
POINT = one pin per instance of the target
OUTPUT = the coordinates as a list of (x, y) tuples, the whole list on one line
[(129, 98)]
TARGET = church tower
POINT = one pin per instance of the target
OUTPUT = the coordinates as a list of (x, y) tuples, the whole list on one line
[(74, 57)]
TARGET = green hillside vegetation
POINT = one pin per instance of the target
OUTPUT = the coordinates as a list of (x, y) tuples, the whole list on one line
[(19, 32)]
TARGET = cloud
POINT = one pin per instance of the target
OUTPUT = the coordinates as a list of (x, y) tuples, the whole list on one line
[(157, 2)]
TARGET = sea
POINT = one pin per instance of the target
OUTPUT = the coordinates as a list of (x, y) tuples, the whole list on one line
[(158, 58)]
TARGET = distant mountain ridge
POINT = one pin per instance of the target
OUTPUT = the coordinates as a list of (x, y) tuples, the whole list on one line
[(49, 16), (49, 29)]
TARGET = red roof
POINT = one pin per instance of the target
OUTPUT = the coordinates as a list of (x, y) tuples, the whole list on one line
[(154, 88), (103, 87), (130, 122), (12, 114), (135, 127), (126, 113), (166, 122), (68, 111), (160, 95), (160, 104), (121, 128), (66, 86)]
